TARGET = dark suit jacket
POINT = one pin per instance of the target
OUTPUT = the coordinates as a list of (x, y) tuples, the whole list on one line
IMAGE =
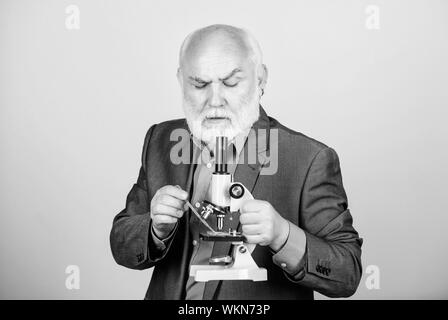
[(306, 189)]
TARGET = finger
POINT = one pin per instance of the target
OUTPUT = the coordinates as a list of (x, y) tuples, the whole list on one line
[(171, 201), (249, 218), (161, 209), (251, 229), (251, 206), (164, 219), (255, 239), (175, 191)]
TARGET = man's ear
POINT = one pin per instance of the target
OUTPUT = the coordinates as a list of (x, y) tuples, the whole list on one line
[(262, 76), (179, 77)]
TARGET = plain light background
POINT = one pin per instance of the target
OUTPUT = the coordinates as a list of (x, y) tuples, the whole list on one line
[(75, 106)]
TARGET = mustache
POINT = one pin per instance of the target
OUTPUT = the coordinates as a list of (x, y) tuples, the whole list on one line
[(215, 114)]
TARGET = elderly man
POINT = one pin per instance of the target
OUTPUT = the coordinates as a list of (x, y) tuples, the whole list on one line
[(299, 220)]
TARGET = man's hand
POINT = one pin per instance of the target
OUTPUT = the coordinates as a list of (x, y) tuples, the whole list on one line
[(167, 206), (263, 225)]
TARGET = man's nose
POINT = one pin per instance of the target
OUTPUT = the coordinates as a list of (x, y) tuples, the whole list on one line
[(216, 98)]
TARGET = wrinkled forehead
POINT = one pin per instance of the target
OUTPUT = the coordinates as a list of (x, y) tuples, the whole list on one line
[(216, 56)]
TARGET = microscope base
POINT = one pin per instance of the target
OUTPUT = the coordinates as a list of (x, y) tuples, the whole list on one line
[(208, 273), (242, 268)]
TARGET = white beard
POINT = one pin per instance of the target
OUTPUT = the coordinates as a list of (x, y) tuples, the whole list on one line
[(247, 114)]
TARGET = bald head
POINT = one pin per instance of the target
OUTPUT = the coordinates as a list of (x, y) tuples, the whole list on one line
[(225, 39)]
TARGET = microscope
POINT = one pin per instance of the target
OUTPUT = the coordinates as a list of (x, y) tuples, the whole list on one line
[(226, 200)]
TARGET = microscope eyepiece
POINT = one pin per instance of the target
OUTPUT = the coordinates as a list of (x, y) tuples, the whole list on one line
[(221, 155)]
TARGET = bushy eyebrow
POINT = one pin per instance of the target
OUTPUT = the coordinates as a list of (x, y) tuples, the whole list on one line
[(230, 75), (197, 79)]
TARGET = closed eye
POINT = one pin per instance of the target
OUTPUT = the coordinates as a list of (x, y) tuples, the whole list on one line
[(200, 85), (230, 84)]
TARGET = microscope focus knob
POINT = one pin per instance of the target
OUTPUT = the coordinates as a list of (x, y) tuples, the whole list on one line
[(236, 191)]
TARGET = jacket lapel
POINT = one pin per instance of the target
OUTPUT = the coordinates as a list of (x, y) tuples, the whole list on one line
[(182, 175)]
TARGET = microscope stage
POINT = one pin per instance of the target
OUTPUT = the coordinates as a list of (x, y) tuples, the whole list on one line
[(222, 236)]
